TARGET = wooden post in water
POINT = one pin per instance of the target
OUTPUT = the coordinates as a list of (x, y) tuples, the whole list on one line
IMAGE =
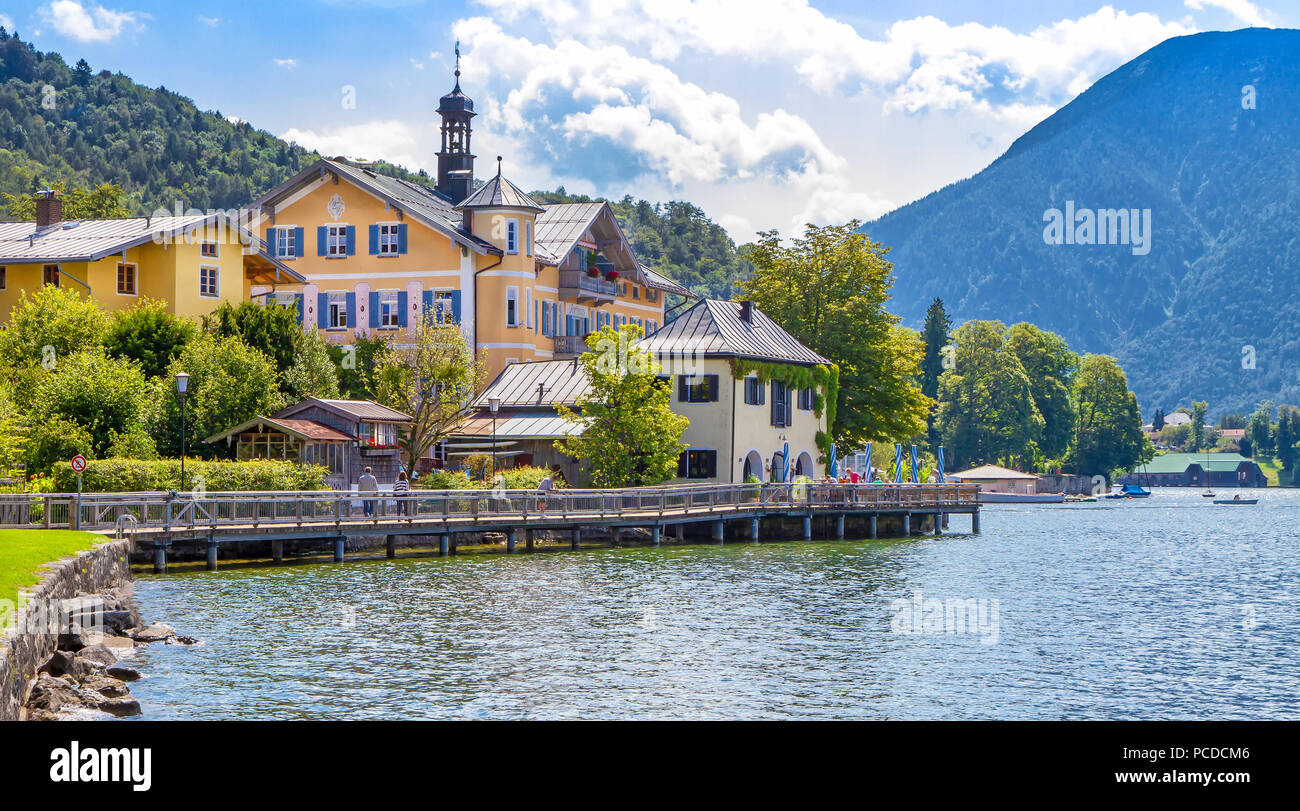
[(975, 522), (718, 529), (938, 523), (576, 539), (528, 540), (807, 527), (338, 548), (444, 544), (839, 527), (753, 530), (871, 526), (277, 551), (654, 534), (390, 546), (510, 540), (159, 559), (907, 523), (614, 534), (212, 555)]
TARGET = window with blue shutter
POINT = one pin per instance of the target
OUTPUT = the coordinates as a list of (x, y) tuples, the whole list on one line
[(374, 240), (297, 242), (401, 308), (426, 307), (401, 238), (352, 308), (322, 310), (455, 306), (321, 248), (298, 305), (374, 310), (352, 240)]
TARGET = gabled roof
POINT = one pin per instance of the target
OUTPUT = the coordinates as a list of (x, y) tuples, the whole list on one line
[(515, 426), (992, 472), (1179, 462), (304, 430), (89, 240), (658, 281), (715, 328), (423, 203), (499, 192), (562, 381), (559, 227), (354, 409)]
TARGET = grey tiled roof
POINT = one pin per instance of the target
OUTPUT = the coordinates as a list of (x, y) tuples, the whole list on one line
[(658, 281), (560, 226), (499, 192), (360, 409), (713, 327), (88, 240), (564, 382)]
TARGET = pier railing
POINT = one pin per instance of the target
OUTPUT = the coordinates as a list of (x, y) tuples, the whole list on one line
[(191, 511)]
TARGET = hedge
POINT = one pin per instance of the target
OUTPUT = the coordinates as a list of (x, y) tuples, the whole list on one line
[(516, 478), (156, 475)]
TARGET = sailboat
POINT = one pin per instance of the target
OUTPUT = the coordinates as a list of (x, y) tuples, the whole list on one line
[(1208, 492)]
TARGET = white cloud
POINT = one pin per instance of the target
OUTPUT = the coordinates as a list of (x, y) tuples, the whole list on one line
[(6, 23), (99, 24), (924, 63), (288, 64), (210, 22), (391, 140), (1242, 10)]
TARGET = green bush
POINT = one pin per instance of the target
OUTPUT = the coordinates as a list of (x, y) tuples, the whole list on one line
[(137, 475), (517, 478), (443, 480), (527, 478)]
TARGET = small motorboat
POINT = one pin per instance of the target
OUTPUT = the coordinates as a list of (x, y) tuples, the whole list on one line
[(1129, 491), (1208, 494), (1236, 500)]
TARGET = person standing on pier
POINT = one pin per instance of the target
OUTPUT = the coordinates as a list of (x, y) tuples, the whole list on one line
[(401, 488), (368, 484), (545, 486)]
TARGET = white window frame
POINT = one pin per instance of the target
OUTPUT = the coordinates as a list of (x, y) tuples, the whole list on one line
[(512, 235), (216, 250), (216, 281), (528, 308), (336, 241), (336, 304), (512, 312), (135, 278), (443, 306), (285, 233), (389, 311), (528, 237), (389, 239)]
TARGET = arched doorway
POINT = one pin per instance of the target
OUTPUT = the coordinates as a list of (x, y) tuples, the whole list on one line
[(778, 467), (804, 465), (753, 466)]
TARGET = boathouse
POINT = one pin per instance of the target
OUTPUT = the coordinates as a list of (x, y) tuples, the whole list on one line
[(1198, 470)]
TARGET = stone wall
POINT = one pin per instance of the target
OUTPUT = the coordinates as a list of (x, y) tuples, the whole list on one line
[(103, 567), (1069, 484)]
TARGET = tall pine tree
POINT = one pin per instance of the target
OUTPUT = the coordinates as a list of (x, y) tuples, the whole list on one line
[(936, 334)]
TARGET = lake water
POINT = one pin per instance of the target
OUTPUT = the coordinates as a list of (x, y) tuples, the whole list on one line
[(1168, 607)]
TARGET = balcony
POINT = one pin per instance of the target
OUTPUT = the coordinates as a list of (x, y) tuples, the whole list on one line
[(576, 285), (569, 346)]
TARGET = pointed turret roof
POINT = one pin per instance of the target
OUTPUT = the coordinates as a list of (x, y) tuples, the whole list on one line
[(499, 193)]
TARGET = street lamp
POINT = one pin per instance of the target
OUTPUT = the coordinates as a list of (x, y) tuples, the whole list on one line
[(182, 388), (494, 403)]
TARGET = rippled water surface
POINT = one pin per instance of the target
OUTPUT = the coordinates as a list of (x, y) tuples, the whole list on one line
[(1168, 607)]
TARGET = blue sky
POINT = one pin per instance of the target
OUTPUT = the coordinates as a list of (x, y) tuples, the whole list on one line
[(766, 113)]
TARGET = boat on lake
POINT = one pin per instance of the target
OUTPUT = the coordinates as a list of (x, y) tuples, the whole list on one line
[(987, 497), (1235, 500), (1129, 491)]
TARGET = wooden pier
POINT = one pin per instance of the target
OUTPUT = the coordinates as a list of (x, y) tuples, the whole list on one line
[(203, 522)]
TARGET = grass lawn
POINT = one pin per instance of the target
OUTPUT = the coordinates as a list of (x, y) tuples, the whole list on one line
[(1276, 475), (22, 551)]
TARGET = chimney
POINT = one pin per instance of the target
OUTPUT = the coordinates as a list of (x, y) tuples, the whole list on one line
[(747, 312), (49, 208)]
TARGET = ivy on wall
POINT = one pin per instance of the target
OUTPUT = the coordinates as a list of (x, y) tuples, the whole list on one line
[(823, 379)]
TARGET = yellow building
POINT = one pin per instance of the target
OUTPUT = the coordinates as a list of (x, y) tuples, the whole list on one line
[(191, 262), (377, 255)]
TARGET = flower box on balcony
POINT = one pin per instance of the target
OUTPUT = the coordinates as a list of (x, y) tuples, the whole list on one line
[(593, 272), (611, 275)]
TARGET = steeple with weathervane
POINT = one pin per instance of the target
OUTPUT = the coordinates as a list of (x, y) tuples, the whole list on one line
[(455, 162)]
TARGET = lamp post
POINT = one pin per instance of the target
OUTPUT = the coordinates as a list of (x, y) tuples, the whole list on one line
[(494, 403), (182, 388)]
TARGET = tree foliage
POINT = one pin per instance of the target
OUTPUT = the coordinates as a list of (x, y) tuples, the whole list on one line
[(149, 335), (828, 289), (269, 327), (104, 200), (1108, 433), (1050, 366), (59, 318), (313, 373), (105, 395), (627, 432)]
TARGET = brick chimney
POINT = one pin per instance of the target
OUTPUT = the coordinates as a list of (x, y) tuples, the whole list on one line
[(49, 208), (747, 312)]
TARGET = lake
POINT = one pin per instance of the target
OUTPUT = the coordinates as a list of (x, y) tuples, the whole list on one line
[(1168, 607)]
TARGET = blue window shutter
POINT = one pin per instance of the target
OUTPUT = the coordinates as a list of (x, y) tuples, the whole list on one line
[(270, 242), (297, 242), (352, 240), (374, 240), (426, 300), (298, 302), (322, 247), (401, 238), (374, 309), (455, 306), (322, 310), (401, 309), (352, 310)]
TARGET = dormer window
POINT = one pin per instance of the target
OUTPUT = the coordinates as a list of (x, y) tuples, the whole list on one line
[(512, 236)]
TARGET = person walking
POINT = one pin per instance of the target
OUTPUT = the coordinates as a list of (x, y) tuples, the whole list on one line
[(368, 484), (402, 488), (545, 486)]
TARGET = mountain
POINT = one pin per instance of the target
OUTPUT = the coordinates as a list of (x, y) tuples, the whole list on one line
[(160, 148), (1174, 132)]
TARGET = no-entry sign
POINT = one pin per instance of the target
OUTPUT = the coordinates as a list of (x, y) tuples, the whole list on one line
[(78, 463)]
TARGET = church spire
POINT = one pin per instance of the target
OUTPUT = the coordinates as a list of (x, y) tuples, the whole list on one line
[(455, 161)]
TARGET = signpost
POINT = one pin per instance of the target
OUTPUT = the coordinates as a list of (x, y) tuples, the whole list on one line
[(78, 466)]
